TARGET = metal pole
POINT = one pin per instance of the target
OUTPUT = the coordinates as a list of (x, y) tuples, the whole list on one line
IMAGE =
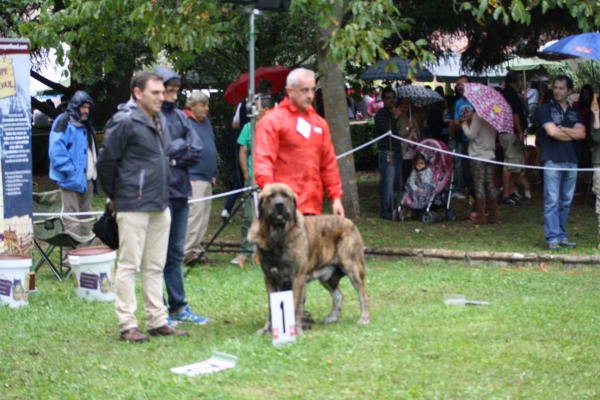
[(251, 106)]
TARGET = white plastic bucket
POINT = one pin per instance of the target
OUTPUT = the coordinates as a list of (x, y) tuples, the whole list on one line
[(14, 279), (93, 271)]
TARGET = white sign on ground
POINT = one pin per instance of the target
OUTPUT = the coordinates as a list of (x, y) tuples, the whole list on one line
[(283, 317)]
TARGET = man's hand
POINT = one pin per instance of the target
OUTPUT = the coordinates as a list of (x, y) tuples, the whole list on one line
[(111, 206), (338, 208), (213, 181)]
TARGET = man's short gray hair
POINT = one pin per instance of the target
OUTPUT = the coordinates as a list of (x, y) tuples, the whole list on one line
[(197, 96), (292, 78)]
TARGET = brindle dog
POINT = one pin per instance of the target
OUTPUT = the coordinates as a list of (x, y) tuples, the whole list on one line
[(294, 249)]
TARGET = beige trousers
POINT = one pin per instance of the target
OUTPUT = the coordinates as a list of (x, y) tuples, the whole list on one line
[(143, 241), (73, 202), (198, 217)]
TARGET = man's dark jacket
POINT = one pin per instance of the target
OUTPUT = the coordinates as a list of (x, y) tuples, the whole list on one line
[(133, 165)]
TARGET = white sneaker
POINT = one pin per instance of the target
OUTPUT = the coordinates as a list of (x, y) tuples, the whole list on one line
[(458, 195), (241, 258), (225, 215)]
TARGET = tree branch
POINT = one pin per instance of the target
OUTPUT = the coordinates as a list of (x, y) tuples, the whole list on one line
[(53, 85)]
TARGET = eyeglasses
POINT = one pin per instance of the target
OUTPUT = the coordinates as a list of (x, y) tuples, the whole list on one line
[(172, 92)]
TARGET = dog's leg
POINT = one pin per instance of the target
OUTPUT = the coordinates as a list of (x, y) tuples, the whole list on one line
[(357, 277), (298, 288), (267, 328), (332, 285)]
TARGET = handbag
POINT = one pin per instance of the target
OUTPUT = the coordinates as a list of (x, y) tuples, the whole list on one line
[(107, 230)]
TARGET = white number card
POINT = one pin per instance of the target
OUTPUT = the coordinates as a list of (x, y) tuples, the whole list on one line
[(283, 317)]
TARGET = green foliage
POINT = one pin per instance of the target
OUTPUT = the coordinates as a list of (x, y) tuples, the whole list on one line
[(587, 72), (585, 12), (365, 159)]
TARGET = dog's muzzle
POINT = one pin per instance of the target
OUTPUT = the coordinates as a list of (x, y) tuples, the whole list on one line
[(280, 213)]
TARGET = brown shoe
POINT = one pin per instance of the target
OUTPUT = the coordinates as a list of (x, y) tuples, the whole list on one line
[(189, 258), (480, 204), (167, 330), (133, 335)]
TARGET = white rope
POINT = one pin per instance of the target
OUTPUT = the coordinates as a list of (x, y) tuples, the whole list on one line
[(216, 196), (362, 146), (417, 144), (77, 214), (74, 214)]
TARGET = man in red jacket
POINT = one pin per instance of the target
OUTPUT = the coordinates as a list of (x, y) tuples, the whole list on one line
[(293, 146)]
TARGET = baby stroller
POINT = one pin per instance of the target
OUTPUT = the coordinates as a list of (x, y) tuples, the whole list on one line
[(442, 167)]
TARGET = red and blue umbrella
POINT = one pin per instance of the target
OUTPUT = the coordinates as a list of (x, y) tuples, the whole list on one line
[(585, 45)]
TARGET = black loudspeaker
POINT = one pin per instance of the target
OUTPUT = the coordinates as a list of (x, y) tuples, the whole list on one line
[(274, 5), (243, 2)]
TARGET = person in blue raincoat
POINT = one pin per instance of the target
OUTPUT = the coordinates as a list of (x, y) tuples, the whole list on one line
[(73, 152)]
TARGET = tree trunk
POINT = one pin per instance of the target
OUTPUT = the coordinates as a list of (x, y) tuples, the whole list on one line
[(336, 114)]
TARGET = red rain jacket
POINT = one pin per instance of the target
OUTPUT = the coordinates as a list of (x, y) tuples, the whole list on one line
[(304, 161)]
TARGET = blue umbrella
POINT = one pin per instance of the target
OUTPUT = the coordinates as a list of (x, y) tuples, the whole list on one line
[(384, 70), (585, 45)]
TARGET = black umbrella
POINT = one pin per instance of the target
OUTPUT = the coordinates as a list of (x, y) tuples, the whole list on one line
[(418, 95), (384, 70)]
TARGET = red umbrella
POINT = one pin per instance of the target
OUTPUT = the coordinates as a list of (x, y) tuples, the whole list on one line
[(238, 90)]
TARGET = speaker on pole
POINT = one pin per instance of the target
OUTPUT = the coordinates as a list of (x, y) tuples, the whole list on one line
[(274, 5), (265, 5)]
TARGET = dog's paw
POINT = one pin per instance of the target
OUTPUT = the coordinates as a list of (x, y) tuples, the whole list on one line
[(307, 318), (330, 320), (264, 331), (364, 321)]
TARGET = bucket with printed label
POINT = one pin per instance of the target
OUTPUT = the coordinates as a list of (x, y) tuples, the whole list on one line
[(14, 279), (93, 271)]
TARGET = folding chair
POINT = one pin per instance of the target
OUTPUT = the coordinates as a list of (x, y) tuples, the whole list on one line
[(52, 231)]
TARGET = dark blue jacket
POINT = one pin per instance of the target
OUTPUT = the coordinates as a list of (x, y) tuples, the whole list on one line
[(186, 145)]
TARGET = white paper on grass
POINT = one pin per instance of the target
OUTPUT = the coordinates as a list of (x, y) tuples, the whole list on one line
[(217, 362)]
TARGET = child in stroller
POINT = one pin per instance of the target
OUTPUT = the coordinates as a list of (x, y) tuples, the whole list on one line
[(419, 186), (428, 186)]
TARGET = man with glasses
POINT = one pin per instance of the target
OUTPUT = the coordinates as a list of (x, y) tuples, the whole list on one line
[(185, 151), (390, 155)]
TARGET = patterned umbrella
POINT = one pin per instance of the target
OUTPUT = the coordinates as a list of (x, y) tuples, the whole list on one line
[(384, 70), (490, 105), (418, 95)]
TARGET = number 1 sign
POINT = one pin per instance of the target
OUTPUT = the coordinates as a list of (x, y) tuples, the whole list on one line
[(283, 318)]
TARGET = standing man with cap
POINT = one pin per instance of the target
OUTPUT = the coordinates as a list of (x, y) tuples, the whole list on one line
[(185, 151)]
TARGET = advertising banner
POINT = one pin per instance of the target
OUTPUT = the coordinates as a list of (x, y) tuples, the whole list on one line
[(16, 203)]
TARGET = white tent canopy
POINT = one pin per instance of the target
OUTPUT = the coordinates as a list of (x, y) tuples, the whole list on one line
[(448, 69)]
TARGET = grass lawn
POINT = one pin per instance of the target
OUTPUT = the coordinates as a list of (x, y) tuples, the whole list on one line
[(538, 339)]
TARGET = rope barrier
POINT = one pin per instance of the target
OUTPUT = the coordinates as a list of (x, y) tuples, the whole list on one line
[(362, 146), (417, 144)]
